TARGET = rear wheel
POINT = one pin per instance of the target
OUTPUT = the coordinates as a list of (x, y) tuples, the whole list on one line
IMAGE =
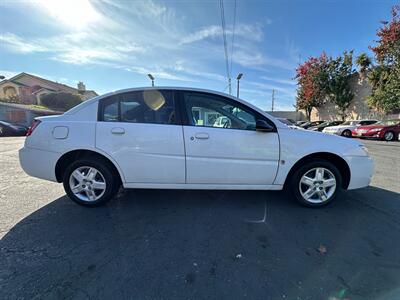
[(346, 133), (90, 182), (389, 136), (316, 183)]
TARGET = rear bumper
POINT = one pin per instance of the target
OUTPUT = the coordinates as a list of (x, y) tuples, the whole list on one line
[(361, 171), (39, 163)]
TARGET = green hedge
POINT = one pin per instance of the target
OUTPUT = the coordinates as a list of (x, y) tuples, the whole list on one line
[(60, 101)]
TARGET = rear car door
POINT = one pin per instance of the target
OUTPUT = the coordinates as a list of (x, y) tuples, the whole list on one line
[(222, 144), (140, 130)]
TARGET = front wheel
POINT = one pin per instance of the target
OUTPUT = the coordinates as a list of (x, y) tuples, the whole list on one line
[(346, 133), (316, 183), (89, 182), (389, 136)]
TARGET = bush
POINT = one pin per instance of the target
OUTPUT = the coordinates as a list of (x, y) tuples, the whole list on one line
[(60, 101)]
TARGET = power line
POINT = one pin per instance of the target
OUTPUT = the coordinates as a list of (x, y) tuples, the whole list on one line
[(233, 35), (221, 2)]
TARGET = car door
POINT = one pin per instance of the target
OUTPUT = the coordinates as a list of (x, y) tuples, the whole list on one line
[(222, 144), (141, 132)]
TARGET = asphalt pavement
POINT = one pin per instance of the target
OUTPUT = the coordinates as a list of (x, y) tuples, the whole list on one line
[(175, 244)]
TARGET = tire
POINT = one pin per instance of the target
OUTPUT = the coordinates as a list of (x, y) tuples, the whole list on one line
[(346, 133), (94, 181), (389, 136), (317, 185)]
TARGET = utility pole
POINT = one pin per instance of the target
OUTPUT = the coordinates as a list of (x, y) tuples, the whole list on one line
[(273, 99), (230, 86)]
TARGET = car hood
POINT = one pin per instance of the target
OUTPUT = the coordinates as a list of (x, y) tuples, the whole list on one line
[(368, 127), (315, 141)]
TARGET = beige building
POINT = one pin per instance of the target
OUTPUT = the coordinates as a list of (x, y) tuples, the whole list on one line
[(28, 88), (358, 108)]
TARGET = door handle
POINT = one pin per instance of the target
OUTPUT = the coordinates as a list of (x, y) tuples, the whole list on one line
[(117, 130), (202, 136)]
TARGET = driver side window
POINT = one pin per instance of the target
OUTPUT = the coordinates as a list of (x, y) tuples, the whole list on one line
[(209, 110)]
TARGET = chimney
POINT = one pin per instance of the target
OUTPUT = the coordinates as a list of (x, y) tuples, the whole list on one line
[(81, 87)]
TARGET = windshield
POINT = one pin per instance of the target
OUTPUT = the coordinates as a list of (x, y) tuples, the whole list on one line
[(388, 122), (350, 123)]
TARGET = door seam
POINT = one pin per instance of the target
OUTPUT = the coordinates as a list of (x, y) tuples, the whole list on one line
[(184, 152)]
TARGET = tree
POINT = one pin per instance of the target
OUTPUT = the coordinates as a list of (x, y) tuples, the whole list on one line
[(60, 101), (385, 78), (312, 83), (340, 71), (364, 63)]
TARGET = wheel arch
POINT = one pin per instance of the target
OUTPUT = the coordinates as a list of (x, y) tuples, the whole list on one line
[(338, 161), (73, 155)]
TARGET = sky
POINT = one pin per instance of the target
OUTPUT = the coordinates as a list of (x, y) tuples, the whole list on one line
[(111, 45)]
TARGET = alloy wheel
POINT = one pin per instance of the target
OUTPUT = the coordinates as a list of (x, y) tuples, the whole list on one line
[(347, 133), (389, 136), (87, 183), (317, 185)]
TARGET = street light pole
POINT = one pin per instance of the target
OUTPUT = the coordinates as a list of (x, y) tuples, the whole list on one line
[(238, 79), (151, 78)]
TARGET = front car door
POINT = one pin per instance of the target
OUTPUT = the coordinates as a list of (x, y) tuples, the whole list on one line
[(222, 144), (141, 131)]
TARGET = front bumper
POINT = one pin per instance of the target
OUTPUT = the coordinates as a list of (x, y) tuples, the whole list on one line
[(39, 163), (361, 171), (375, 135)]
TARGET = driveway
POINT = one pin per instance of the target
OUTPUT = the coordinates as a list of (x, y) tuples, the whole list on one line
[(171, 244)]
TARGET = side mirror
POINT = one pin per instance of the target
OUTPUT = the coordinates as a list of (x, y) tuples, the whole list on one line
[(262, 125)]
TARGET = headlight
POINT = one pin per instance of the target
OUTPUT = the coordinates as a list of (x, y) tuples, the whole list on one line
[(375, 129)]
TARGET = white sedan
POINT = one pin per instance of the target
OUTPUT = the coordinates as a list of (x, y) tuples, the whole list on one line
[(347, 127), (167, 138)]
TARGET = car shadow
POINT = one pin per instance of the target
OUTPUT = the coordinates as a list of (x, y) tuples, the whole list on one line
[(162, 244)]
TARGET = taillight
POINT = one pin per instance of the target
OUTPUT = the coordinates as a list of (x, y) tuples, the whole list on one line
[(32, 127)]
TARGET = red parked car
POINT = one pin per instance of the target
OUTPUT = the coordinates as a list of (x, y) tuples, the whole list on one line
[(387, 130)]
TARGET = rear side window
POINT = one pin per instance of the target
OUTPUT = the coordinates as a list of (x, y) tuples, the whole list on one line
[(110, 110), (149, 106)]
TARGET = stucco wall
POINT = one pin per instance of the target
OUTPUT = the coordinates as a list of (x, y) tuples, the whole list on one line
[(294, 115), (358, 108)]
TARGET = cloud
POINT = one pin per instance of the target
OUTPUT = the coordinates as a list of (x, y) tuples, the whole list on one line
[(158, 73), (269, 87), (246, 31), (145, 37), (8, 74), (252, 58), (19, 44), (279, 80)]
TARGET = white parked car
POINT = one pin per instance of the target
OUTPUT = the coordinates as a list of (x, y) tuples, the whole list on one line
[(347, 127), (165, 138)]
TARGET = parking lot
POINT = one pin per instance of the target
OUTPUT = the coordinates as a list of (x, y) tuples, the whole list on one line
[(170, 244)]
